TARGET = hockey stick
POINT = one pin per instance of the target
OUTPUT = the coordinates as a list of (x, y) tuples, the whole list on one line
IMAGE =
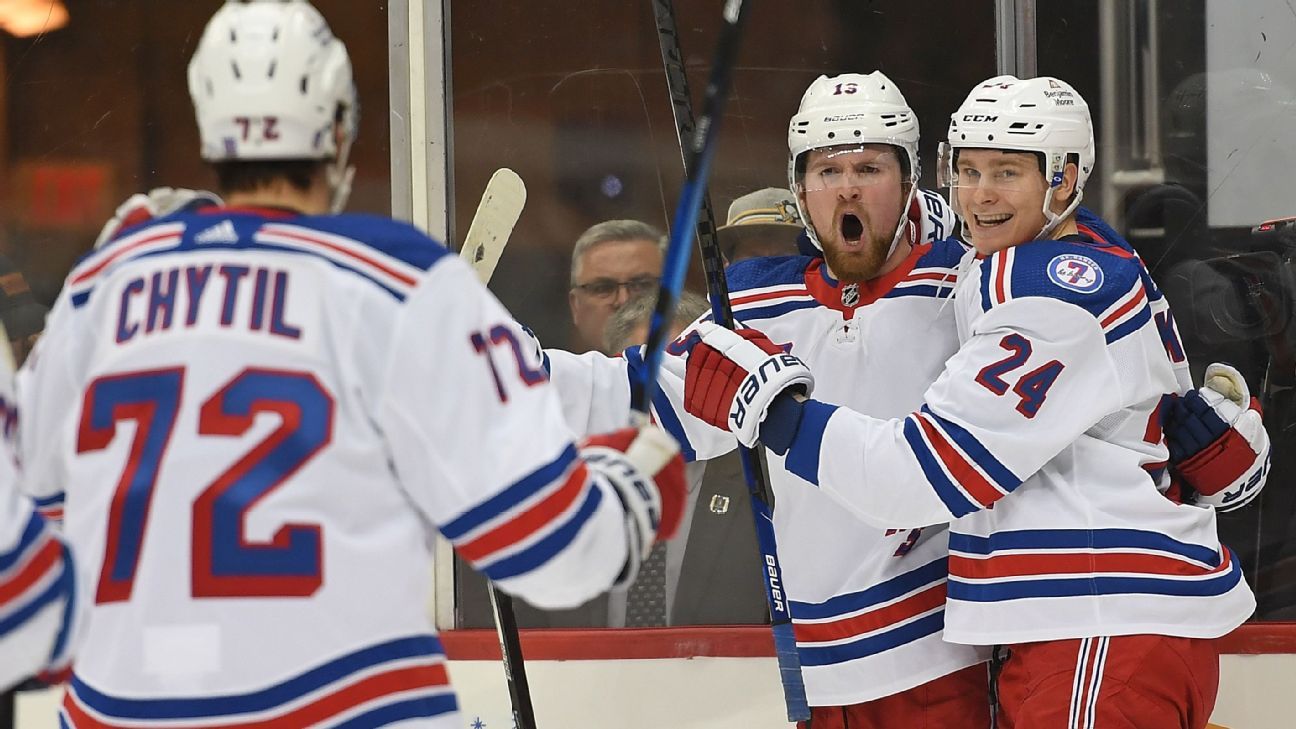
[(514, 666), (696, 157), (501, 205)]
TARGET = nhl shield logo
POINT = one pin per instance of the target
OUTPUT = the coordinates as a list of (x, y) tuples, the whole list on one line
[(1077, 273), (850, 294)]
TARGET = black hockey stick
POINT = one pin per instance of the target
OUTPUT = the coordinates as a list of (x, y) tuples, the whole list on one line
[(699, 149), (511, 651), (695, 142)]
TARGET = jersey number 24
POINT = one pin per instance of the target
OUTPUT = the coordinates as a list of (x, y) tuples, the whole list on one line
[(1031, 388), (224, 562)]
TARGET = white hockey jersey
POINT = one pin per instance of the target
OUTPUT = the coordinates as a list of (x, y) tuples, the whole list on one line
[(258, 419), (867, 603), (1041, 444)]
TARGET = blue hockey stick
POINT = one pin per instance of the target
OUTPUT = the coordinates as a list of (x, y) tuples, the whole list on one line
[(697, 144)]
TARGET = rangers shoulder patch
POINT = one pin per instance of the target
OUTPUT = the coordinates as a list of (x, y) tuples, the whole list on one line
[(1076, 273)]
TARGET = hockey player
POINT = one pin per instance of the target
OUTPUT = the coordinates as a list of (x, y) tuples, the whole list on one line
[(261, 412), (872, 316), (36, 570), (870, 311), (1041, 442)]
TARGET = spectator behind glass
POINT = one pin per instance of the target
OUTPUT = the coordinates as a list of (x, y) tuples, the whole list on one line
[(705, 580), (761, 223), (23, 316), (612, 262), (628, 326)]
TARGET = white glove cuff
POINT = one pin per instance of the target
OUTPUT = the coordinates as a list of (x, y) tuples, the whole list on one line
[(639, 499)]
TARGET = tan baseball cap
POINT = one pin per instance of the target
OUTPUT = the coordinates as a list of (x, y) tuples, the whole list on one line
[(761, 223), (771, 206)]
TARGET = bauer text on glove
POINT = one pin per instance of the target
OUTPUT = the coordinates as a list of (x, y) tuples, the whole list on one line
[(733, 378)]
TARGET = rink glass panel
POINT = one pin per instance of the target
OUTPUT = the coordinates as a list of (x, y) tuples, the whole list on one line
[(100, 109), (1193, 102), (1195, 106), (573, 97)]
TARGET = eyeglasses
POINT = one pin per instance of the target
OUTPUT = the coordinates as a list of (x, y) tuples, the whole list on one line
[(607, 288)]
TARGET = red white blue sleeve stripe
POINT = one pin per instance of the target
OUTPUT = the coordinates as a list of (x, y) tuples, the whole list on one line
[(400, 680), (530, 522), (35, 574), (961, 470), (1130, 312), (997, 278), (864, 623), (51, 507), (770, 302), (152, 239), (392, 274), (1076, 562)]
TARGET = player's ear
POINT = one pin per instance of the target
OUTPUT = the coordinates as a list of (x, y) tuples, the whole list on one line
[(1063, 192)]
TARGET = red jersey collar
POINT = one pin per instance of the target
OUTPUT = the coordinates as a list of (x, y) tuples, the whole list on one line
[(832, 294), (263, 211)]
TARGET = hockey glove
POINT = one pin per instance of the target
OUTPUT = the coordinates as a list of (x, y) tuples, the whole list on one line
[(645, 467), (1218, 444), (732, 377), (158, 203)]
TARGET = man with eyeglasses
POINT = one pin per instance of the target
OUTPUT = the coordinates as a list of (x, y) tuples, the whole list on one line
[(612, 263)]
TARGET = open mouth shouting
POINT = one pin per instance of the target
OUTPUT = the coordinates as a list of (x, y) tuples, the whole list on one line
[(851, 229)]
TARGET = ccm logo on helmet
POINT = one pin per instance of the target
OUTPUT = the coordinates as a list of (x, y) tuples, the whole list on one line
[(750, 386), (979, 118)]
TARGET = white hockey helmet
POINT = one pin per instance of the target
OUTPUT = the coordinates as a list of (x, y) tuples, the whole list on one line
[(852, 109), (1043, 114), (269, 80)]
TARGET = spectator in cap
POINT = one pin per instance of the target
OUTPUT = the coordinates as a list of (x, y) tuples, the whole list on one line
[(761, 223)]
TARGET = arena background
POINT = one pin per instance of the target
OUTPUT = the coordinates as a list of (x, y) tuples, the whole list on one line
[(1192, 101)]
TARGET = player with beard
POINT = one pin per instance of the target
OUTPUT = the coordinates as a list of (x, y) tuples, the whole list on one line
[(870, 314), (1041, 444), (867, 603)]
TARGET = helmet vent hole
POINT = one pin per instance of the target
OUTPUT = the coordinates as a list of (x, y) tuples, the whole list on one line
[(1018, 125), (234, 66), (275, 36), (233, 36), (270, 73), (305, 84), (1028, 106)]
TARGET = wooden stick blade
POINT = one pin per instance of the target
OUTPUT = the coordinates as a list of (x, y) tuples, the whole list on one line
[(500, 207)]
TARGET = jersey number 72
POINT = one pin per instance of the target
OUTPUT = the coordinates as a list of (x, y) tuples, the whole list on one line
[(224, 562)]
